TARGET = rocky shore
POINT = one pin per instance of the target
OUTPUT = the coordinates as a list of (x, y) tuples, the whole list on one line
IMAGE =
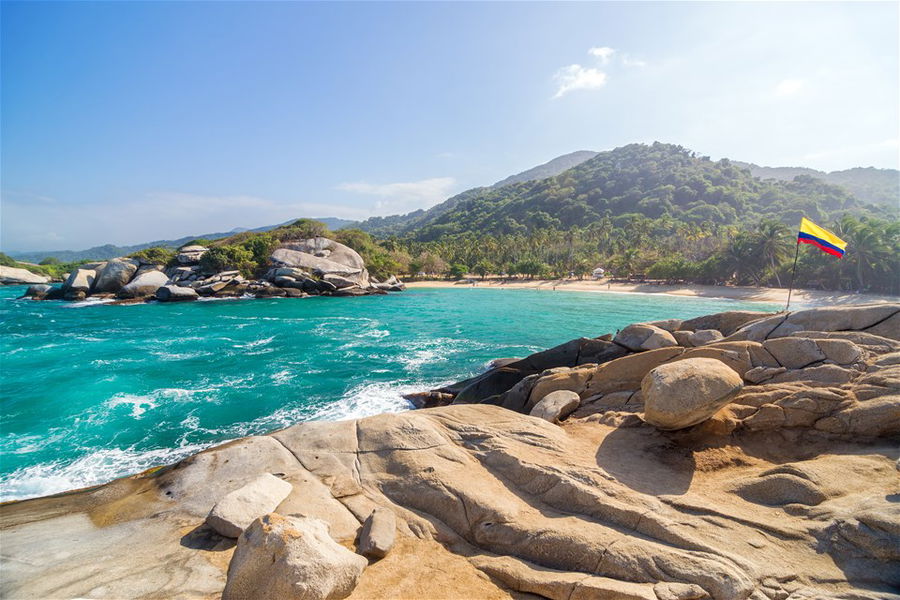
[(313, 267), (733, 456)]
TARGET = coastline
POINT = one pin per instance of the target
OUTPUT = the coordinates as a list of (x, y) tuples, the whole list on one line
[(799, 297)]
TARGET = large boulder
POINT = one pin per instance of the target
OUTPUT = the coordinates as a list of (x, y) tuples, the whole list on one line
[(176, 293), (322, 257), (38, 290), (117, 273), (291, 557), (556, 405), (686, 392), (233, 514), (144, 284), (378, 534), (190, 255), (16, 276), (641, 336), (80, 281)]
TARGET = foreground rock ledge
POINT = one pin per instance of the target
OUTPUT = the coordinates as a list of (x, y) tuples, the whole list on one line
[(787, 492)]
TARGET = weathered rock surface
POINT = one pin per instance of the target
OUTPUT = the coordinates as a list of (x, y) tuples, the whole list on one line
[(642, 336), (233, 514), (175, 293), (378, 534), (144, 284), (16, 276), (190, 255), (117, 273), (686, 392), (291, 557), (322, 257), (556, 405)]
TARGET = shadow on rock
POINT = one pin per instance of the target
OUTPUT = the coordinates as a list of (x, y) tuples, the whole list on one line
[(646, 461), (203, 537)]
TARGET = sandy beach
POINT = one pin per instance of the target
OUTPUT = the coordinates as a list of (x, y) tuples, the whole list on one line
[(799, 298)]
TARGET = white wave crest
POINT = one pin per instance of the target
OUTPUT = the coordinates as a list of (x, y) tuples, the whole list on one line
[(94, 468)]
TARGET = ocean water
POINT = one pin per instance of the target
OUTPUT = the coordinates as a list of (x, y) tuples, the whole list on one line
[(91, 392)]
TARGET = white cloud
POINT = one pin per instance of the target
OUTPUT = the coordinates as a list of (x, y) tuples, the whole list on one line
[(576, 77), (33, 223), (604, 53), (789, 87), (403, 196)]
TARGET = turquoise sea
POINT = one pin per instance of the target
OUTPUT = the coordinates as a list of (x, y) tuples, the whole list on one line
[(91, 392)]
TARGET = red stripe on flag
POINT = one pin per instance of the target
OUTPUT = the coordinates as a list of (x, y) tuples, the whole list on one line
[(821, 247)]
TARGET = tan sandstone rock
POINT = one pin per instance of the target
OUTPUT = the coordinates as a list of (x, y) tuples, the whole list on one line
[(556, 405), (687, 392), (233, 513), (291, 557)]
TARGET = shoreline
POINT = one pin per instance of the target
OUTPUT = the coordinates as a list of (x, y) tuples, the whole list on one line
[(799, 297)]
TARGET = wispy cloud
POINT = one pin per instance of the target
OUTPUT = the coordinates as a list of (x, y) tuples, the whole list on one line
[(576, 77), (403, 196), (604, 53), (579, 77), (789, 87)]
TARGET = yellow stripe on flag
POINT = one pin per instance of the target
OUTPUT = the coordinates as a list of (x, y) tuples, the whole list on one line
[(810, 228)]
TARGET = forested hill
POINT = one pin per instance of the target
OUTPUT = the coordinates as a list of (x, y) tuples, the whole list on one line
[(398, 224), (868, 184), (658, 180)]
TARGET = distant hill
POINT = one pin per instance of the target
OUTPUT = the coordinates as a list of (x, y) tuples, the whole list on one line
[(397, 224), (550, 168), (650, 180), (868, 184), (108, 251)]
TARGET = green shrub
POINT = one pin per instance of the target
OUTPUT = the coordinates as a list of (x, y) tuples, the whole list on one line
[(229, 258), (157, 255)]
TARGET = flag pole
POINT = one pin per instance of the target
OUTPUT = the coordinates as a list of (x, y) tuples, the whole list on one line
[(793, 272)]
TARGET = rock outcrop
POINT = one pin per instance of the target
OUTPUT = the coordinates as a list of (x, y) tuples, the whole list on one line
[(686, 392), (115, 275), (16, 276), (489, 502), (291, 557), (233, 514), (144, 284)]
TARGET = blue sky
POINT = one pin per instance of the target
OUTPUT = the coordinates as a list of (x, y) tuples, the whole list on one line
[(127, 122)]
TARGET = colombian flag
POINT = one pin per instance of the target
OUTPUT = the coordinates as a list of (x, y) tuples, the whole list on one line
[(824, 240)]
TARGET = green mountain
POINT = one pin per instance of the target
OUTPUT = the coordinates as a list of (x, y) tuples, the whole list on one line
[(655, 181), (108, 251), (868, 184), (398, 224)]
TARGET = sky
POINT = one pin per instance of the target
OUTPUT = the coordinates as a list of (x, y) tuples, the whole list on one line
[(125, 122)]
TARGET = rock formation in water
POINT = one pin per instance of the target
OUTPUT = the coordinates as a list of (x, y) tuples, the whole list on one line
[(788, 491), (16, 276), (314, 267)]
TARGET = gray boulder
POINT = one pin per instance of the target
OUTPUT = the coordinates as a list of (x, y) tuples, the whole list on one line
[(144, 284), (190, 255), (322, 257), (15, 276), (39, 290), (556, 405), (80, 280), (642, 336), (687, 392), (234, 513), (703, 337), (176, 293), (291, 557), (378, 533), (117, 273)]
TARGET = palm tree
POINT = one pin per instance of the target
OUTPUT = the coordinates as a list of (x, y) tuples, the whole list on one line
[(773, 244)]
